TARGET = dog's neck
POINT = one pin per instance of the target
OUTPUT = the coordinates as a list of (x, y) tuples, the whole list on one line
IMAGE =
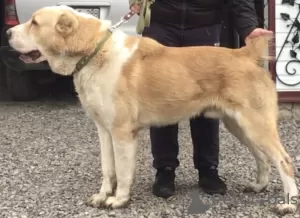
[(64, 64), (87, 58)]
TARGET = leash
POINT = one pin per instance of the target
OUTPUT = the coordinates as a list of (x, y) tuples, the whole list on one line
[(123, 19), (144, 15)]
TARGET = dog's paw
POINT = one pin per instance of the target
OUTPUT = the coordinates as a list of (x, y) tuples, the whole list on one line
[(283, 209), (115, 202), (97, 200), (255, 187)]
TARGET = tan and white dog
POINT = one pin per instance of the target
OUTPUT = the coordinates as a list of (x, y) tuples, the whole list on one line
[(134, 82)]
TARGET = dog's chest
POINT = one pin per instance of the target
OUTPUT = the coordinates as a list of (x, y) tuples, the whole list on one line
[(96, 94), (96, 86)]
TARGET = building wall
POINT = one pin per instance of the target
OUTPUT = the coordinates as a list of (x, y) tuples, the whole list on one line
[(266, 25), (287, 52), (288, 108)]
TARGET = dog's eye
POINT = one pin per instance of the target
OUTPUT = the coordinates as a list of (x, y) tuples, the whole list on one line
[(33, 22)]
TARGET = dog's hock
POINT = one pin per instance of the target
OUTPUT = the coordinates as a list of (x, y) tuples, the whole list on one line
[(66, 23)]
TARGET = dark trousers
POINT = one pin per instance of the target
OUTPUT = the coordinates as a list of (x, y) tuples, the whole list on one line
[(204, 131)]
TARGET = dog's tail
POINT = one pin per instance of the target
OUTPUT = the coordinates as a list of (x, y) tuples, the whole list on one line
[(256, 48)]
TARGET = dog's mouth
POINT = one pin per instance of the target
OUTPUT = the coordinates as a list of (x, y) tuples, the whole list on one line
[(31, 57)]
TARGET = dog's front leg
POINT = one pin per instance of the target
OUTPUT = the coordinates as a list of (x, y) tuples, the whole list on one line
[(108, 168), (125, 150)]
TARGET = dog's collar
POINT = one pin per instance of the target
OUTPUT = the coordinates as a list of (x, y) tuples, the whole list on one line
[(86, 59)]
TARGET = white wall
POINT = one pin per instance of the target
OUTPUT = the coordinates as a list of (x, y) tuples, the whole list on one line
[(281, 34)]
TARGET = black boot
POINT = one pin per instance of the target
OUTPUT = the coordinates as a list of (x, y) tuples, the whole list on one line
[(210, 181), (164, 182)]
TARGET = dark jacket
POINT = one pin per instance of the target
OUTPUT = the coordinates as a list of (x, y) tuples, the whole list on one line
[(197, 13)]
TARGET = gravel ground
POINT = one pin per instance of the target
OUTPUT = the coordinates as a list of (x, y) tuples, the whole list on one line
[(49, 165)]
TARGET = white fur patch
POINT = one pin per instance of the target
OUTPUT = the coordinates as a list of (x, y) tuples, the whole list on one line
[(21, 40), (289, 185), (105, 24), (102, 84), (98, 97), (125, 159)]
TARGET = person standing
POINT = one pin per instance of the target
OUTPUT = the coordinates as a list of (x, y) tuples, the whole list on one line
[(193, 23)]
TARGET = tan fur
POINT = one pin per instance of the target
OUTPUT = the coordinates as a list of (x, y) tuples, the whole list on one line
[(135, 82)]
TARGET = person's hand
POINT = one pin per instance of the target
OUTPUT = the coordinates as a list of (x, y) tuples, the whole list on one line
[(258, 32), (136, 8)]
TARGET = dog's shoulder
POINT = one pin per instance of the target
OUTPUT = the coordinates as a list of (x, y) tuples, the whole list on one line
[(150, 47), (123, 45)]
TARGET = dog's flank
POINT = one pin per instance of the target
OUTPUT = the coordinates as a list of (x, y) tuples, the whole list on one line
[(136, 82)]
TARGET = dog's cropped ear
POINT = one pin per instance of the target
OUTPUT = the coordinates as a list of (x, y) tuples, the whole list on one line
[(66, 23)]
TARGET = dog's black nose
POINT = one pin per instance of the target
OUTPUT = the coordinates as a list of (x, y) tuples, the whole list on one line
[(8, 33)]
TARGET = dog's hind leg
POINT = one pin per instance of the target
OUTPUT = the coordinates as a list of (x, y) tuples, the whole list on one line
[(125, 151), (283, 163), (108, 168), (260, 128), (263, 171), (263, 166)]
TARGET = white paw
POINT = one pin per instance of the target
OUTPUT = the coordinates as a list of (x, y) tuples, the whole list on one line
[(255, 187), (284, 209), (115, 202), (97, 200)]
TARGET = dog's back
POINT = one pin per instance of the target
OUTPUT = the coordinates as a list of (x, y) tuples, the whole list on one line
[(168, 81)]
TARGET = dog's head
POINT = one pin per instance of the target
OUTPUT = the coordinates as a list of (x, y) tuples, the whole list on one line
[(57, 31)]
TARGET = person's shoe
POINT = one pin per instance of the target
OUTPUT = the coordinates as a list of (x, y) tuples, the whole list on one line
[(210, 182), (164, 186)]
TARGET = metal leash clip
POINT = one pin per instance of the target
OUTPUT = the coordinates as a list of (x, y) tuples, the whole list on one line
[(123, 19)]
